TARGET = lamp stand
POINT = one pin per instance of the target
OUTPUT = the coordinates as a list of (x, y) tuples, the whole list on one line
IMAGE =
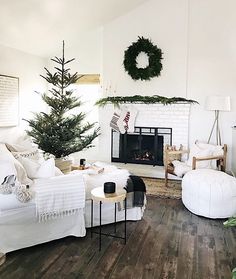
[(216, 125)]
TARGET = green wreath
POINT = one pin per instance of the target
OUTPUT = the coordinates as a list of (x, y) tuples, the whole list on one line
[(154, 58)]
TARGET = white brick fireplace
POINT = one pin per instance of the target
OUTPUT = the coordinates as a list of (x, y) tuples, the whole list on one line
[(174, 116), (169, 116)]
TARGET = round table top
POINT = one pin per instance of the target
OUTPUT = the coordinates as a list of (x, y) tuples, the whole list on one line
[(97, 194)]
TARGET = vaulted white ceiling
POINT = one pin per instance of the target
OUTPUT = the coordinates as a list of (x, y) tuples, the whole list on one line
[(37, 26)]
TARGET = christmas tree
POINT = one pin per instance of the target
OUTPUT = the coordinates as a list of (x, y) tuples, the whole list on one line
[(58, 132)]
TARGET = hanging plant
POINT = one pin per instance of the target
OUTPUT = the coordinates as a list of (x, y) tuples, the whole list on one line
[(154, 60), (116, 101)]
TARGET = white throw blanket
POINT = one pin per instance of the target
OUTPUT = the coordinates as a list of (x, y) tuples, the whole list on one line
[(110, 174), (59, 196)]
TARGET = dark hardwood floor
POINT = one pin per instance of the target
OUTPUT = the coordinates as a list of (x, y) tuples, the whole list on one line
[(169, 242)]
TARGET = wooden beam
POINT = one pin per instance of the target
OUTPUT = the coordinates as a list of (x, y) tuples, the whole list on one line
[(88, 79)]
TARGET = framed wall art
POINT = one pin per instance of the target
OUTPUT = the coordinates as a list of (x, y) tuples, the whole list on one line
[(9, 101)]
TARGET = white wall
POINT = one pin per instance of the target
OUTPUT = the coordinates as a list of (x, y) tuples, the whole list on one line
[(212, 64), (87, 52), (28, 68), (164, 22), (198, 39)]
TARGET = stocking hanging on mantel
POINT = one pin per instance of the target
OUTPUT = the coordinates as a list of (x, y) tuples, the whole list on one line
[(122, 123), (124, 120), (132, 116), (113, 123)]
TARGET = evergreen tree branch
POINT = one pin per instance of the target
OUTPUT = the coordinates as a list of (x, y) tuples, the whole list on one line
[(57, 132)]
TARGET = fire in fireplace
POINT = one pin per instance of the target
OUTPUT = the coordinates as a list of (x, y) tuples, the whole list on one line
[(144, 146)]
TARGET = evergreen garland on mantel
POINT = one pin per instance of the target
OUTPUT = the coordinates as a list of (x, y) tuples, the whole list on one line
[(137, 99)]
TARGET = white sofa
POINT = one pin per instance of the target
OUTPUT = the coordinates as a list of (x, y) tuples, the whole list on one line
[(20, 228)]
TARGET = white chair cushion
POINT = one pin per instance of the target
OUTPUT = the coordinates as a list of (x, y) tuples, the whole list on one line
[(209, 193), (180, 168), (196, 151), (216, 150)]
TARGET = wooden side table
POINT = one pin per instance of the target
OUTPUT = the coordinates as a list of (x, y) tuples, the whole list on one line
[(98, 195)]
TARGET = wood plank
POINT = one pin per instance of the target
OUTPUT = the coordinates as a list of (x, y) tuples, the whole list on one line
[(170, 242), (88, 79)]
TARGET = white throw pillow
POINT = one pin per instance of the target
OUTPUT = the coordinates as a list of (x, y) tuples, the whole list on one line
[(6, 155), (180, 168), (198, 152), (58, 172), (217, 150), (32, 154), (35, 169), (24, 142), (6, 168)]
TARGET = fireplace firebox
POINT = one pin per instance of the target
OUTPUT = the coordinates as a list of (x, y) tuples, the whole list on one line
[(144, 146)]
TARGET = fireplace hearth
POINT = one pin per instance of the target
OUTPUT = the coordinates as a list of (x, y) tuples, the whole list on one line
[(144, 146)]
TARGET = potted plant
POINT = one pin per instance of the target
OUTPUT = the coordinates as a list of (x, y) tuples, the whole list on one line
[(58, 132)]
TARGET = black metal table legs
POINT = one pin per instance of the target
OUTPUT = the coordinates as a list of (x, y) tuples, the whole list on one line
[(100, 226), (115, 222), (91, 218)]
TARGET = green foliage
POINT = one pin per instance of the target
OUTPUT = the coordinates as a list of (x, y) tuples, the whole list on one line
[(234, 273), (57, 132), (143, 100), (231, 222), (154, 58)]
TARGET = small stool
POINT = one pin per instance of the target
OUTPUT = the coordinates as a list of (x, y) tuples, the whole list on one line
[(209, 193), (98, 195)]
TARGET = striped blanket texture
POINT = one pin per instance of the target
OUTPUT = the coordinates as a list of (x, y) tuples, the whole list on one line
[(59, 196)]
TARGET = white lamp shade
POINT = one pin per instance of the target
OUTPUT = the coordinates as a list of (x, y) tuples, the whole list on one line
[(218, 103)]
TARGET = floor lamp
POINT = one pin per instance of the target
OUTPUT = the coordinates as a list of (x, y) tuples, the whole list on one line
[(217, 103)]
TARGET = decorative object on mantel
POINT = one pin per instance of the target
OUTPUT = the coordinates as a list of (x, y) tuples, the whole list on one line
[(138, 99), (9, 101), (217, 103), (154, 67), (58, 132)]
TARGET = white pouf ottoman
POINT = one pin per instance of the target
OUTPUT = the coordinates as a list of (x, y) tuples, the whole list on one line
[(209, 193)]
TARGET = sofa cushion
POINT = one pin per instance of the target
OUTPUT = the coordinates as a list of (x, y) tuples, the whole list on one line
[(10, 202), (37, 169), (6, 168), (7, 156)]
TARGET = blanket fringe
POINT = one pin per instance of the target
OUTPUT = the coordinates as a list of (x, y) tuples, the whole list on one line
[(43, 217)]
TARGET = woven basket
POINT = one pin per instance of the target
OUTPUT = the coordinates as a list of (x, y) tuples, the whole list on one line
[(63, 164), (2, 258)]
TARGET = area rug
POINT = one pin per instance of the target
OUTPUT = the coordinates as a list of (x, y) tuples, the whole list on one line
[(156, 187)]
